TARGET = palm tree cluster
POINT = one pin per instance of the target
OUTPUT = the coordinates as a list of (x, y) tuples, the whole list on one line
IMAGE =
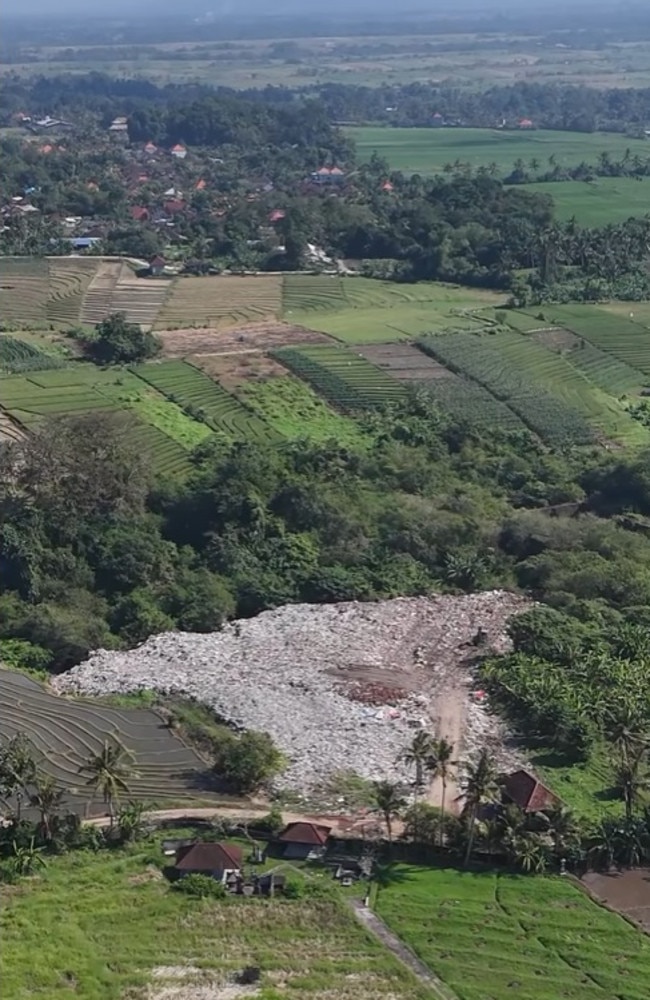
[(24, 842)]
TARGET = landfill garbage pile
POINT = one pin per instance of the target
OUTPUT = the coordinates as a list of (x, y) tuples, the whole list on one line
[(312, 676)]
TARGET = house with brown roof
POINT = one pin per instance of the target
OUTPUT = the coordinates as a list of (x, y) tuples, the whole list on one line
[(219, 860), (139, 213), (525, 791), (179, 151), (304, 840), (157, 266)]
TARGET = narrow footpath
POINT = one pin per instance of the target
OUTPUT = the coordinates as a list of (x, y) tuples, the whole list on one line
[(383, 933)]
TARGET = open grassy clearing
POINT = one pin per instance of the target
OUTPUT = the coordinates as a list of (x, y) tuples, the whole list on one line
[(98, 927), (209, 402), (291, 408), (490, 936), (344, 378), (164, 431), (365, 310), (66, 731), (480, 359), (598, 202), (587, 789), (223, 300), (427, 150)]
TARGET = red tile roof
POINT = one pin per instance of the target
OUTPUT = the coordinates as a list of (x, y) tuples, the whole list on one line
[(179, 148), (208, 857), (200, 185), (387, 186), (525, 123), (528, 793), (174, 206), (305, 833), (139, 213), (276, 215)]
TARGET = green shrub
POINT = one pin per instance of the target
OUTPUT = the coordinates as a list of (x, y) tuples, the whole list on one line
[(200, 886)]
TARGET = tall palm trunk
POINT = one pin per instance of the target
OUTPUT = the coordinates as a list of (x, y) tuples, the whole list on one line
[(471, 829), (442, 810), (389, 828)]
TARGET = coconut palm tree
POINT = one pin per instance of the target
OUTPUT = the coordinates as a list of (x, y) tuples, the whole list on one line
[(47, 798), (17, 769), (389, 801), (564, 830), (108, 772), (481, 787), (418, 754), (632, 779), (439, 765)]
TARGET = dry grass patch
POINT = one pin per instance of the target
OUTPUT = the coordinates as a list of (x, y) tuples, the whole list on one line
[(243, 337), (240, 366)]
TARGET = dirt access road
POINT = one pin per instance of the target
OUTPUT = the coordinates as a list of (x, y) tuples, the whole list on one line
[(449, 722), (339, 824)]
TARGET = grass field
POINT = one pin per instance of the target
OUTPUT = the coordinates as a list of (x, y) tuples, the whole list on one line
[(291, 408), (490, 936), (102, 927), (164, 431), (189, 387), (363, 310), (224, 300), (65, 732), (604, 200), (427, 150), (624, 337)]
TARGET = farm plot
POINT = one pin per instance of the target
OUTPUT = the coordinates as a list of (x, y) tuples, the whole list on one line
[(165, 437), (249, 337), (342, 377), (470, 403), (68, 281), (478, 358), (9, 430), (220, 301), (295, 411), (189, 387), (405, 362), (102, 923), (626, 339), (66, 732), (312, 293), (19, 356), (489, 936), (24, 283), (566, 381)]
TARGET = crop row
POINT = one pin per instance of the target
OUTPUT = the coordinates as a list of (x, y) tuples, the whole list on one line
[(312, 292), (471, 403), (205, 400), (345, 379), (18, 356), (626, 340), (551, 418)]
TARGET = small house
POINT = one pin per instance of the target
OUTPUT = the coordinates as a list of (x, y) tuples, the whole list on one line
[(276, 215), (387, 186), (173, 206), (139, 213), (220, 861), (525, 123), (328, 175), (437, 121), (150, 149), (302, 841), (200, 185), (524, 790), (157, 266), (119, 125), (179, 151)]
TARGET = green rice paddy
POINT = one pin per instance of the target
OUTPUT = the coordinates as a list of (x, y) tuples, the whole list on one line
[(489, 936)]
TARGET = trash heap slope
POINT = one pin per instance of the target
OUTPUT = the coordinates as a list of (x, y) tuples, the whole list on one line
[(338, 686)]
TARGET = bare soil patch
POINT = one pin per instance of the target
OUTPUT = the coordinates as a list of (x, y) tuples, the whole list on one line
[(239, 366), (557, 339), (253, 336), (404, 362), (625, 891)]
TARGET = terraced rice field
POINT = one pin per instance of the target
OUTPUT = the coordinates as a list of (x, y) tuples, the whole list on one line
[(68, 281), (23, 289), (344, 378), (115, 288), (489, 936), (28, 399), (221, 301), (485, 360), (66, 732), (471, 403), (363, 310), (9, 430), (622, 337), (189, 387)]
